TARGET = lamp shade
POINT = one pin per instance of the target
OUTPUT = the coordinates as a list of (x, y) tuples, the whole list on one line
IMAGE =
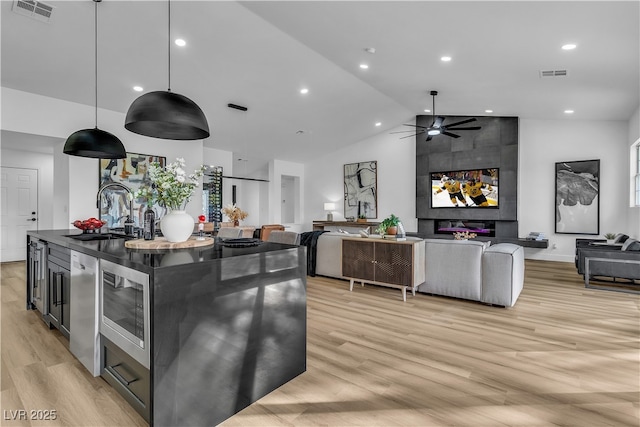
[(94, 143), (166, 115), (329, 206)]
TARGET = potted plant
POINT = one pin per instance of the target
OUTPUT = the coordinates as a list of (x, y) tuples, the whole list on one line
[(234, 214), (362, 218), (610, 238), (173, 189), (390, 225)]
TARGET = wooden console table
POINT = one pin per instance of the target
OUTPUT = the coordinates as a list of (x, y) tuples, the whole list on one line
[(320, 225), (398, 264)]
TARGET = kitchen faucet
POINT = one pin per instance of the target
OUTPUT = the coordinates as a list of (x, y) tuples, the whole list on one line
[(129, 197)]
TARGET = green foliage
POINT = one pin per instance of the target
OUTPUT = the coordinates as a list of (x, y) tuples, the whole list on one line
[(610, 236), (173, 188), (390, 221)]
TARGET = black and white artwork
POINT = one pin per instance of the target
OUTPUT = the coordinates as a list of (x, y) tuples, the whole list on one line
[(360, 190), (578, 197)]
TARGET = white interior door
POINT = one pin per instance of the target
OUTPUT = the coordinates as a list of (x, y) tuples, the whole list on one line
[(18, 211)]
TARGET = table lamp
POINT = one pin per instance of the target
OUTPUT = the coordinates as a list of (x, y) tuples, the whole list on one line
[(329, 207)]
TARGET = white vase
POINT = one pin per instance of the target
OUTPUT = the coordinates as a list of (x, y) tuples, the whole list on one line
[(177, 226)]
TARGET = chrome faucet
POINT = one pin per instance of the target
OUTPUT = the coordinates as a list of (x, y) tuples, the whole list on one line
[(111, 185)]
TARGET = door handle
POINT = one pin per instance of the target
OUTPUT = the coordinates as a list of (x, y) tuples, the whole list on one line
[(57, 294), (31, 219)]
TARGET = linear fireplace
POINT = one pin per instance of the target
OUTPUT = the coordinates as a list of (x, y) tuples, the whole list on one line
[(480, 227)]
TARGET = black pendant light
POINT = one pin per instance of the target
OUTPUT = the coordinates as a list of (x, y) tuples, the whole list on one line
[(95, 143), (167, 115)]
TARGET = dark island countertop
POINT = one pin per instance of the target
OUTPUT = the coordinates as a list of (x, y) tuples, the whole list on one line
[(148, 260), (226, 326)]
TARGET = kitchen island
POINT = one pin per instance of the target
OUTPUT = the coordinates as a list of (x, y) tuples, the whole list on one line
[(226, 325)]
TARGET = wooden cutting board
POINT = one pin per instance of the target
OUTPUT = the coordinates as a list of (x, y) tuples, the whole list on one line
[(162, 243)]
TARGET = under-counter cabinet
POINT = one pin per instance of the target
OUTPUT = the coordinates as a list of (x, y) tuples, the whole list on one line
[(36, 275), (59, 288), (398, 264)]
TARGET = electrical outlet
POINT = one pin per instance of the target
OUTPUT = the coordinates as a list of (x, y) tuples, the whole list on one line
[(554, 246)]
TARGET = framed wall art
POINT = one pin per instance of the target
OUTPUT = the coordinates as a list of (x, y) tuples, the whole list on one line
[(361, 190), (578, 197), (133, 172)]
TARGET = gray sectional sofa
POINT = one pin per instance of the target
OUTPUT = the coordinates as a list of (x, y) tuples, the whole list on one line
[(595, 258), (473, 270)]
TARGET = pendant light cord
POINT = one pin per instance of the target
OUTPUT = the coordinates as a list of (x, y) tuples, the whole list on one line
[(169, 44), (95, 48)]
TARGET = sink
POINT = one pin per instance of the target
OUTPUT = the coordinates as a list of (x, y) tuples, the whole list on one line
[(98, 236)]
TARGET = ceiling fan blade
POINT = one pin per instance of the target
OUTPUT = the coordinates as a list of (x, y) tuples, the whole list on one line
[(437, 122), (429, 138), (452, 135), (418, 126), (462, 122), (403, 131), (471, 128), (409, 136)]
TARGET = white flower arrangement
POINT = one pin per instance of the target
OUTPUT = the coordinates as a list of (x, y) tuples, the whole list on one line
[(171, 187)]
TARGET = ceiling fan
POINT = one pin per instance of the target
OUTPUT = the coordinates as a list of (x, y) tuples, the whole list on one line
[(437, 127)]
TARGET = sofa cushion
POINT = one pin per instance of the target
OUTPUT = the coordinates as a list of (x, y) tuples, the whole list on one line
[(329, 254), (502, 274), (453, 268)]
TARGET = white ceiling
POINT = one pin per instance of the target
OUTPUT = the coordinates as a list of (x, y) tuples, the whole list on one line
[(259, 54)]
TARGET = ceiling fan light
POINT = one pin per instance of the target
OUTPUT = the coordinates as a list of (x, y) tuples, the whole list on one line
[(433, 132), (166, 115), (94, 143)]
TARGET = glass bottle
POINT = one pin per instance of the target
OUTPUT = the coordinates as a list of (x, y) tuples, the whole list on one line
[(149, 224)]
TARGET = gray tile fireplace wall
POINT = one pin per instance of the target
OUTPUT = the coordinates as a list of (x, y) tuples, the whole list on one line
[(493, 146)]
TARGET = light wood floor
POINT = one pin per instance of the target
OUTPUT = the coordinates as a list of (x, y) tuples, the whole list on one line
[(564, 355)]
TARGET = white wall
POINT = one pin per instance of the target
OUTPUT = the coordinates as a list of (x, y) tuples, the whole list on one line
[(633, 223), (396, 179), (278, 169), (545, 142), (43, 163)]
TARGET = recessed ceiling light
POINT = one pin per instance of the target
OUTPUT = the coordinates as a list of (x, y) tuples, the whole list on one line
[(569, 46), (378, 124), (364, 66), (445, 59), (427, 111), (138, 88), (488, 111), (304, 91), (568, 111), (181, 42)]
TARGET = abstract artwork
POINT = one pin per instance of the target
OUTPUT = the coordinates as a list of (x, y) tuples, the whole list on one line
[(133, 172), (361, 190), (578, 197)]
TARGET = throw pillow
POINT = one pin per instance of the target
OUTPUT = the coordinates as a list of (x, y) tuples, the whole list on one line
[(631, 245), (620, 238)]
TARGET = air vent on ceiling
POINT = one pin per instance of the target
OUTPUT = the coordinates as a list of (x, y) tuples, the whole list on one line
[(553, 73), (33, 9)]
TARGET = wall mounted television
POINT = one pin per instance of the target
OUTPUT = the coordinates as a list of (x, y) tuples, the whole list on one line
[(473, 188)]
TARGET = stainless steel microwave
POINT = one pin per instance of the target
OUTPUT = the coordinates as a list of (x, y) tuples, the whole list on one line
[(124, 309)]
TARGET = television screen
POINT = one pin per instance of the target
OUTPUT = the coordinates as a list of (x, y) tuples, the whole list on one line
[(475, 188)]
